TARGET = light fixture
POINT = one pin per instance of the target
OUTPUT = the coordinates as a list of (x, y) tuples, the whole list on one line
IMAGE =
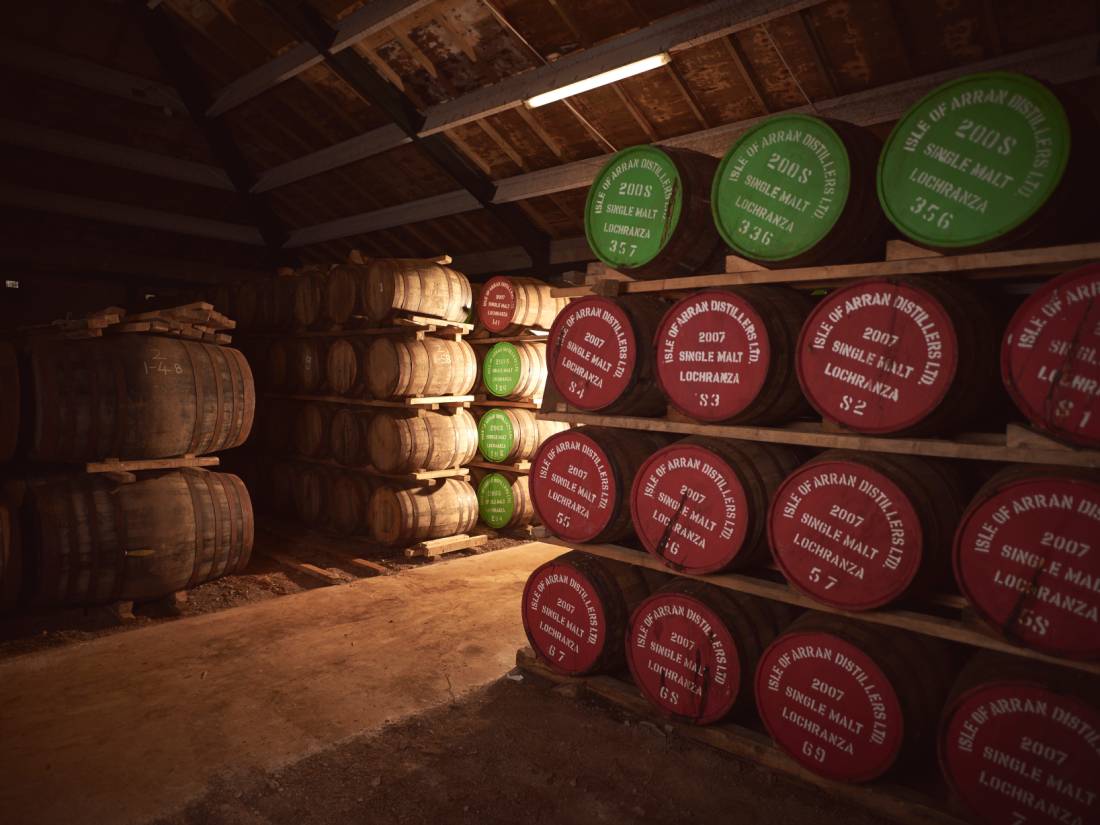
[(602, 79)]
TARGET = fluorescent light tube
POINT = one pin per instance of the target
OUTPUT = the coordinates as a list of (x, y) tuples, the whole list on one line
[(611, 76)]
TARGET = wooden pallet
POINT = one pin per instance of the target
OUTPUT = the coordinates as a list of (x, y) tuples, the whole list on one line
[(528, 532), (519, 468), (435, 402), (896, 803), (343, 552), (414, 477), (437, 547), (486, 401), (406, 325), (530, 336)]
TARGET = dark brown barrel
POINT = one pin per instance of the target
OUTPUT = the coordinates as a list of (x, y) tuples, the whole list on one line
[(515, 371), (903, 356), (700, 505), (575, 612), (341, 288), (648, 212), (278, 420), (693, 648), (407, 514), (503, 501), (1020, 733), (344, 366), (846, 699), (600, 354), (311, 493), (508, 436), (431, 367), (277, 364), (580, 481), (348, 501), (138, 396), (399, 443), (11, 556), (506, 305), (1026, 557), (728, 354), (419, 287), (305, 298), (247, 305), (861, 530), (347, 436), (311, 430), (306, 373), (284, 477), (277, 301), (98, 541), (10, 401)]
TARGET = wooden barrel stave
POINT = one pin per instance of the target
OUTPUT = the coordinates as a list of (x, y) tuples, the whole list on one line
[(341, 293), (311, 430), (431, 367), (399, 443), (11, 556), (407, 514), (348, 500), (348, 441), (11, 400), (306, 372), (419, 287), (344, 367)]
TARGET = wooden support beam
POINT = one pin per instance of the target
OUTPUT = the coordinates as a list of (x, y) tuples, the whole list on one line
[(374, 142), (64, 259)]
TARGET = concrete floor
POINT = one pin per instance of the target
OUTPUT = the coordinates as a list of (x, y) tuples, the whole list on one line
[(130, 727)]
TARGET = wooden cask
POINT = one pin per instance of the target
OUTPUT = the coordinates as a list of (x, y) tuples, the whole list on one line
[(1049, 361), (902, 356), (11, 400), (515, 371), (648, 212), (871, 694), (728, 354), (11, 556), (341, 293), (700, 505), (428, 368), (311, 430), (312, 483), (277, 365), (858, 531), (137, 396), (344, 366), (580, 481), (348, 441), (98, 541), (306, 373), (507, 305), (401, 515), (418, 287), (504, 501), (576, 609), (399, 443), (1023, 557), (348, 503), (693, 648), (798, 190), (247, 305), (601, 358), (1019, 732), (305, 294), (508, 436)]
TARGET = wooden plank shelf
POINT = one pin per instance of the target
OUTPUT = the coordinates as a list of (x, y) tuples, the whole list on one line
[(531, 336), (1016, 444), (895, 803), (519, 468), (417, 476), (114, 465), (928, 624), (1010, 264), (485, 401), (431, 402), (451, 544), (397, 325)]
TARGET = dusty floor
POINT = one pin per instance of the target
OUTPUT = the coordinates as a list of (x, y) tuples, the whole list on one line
[(517, 752)]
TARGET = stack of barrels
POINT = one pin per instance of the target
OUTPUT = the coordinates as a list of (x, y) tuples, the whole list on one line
[(851, 531), (71, 537), (514, 316)]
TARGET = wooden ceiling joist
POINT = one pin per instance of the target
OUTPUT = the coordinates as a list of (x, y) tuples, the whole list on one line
[(374, 142), (371, 18), (66, 258)]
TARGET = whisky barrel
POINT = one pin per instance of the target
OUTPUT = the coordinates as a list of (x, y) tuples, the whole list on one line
[(575, 612), (1016, 732), (408, 514), (419, 287), (580, 481), (11, 401), (341, 291), (276, 306), (306, 371), (348, 501), (312, 483), (600, 354), (858, 531), (311, 430), (504, 502), (846, 699), (911, 355), (692, 648), (11, 556), (398, 443), (1049, 361), (98, 541), (700, 505), (347, 436), (284, 478), (728, 354), (431, 367), (508, 436), (1023, 557), (305, 294), (648, 212), (506, 305), (344, 372), (798, 190), (515, 371), (277, 365), (247, 305), (985, 161), (137, 396)]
